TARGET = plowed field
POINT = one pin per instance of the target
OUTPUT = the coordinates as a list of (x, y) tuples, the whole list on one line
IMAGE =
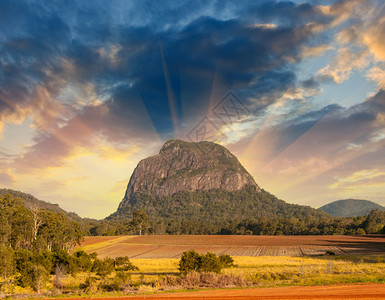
[(172, 246)]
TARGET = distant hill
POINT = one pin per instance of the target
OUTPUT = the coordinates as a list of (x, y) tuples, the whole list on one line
[(351, 208), (200, 182), (31, 201)]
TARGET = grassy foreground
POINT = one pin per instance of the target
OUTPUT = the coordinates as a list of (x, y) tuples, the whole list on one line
[(158, 275), (281, 270)]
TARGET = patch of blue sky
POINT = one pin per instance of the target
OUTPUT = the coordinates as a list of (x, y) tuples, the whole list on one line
[(352, 91)]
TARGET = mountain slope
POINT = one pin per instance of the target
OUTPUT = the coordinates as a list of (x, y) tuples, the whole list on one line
[(350, 208), (31, 201), (201, 182)]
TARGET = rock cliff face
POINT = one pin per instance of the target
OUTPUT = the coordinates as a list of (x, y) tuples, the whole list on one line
[(186, 166)]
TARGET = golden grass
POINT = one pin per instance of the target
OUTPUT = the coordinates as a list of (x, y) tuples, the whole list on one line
[(278, 270), (161, 265), (161, 274)]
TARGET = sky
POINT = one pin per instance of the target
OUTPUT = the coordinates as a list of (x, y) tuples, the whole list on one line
[(296, 90)]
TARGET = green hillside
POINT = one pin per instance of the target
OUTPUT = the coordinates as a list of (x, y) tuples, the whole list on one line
[(350, 208), (215, 207)]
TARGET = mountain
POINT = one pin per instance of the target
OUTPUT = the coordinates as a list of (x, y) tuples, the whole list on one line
[(201, 182), (350, 208), (185, 166)]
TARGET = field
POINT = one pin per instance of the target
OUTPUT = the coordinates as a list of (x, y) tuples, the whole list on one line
[(172, 246), (296, 264), (324, 277)]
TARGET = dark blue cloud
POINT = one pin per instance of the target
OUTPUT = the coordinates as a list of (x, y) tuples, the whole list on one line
[(189, 46)]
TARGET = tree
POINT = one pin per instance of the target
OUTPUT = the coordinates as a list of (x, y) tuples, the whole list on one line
[(374, 222), (39, 277), (7, 262), (140, 220), (36, 220)]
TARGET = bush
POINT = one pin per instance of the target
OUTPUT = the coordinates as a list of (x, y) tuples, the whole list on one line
[(90, 286), (82, 261), (103, 267), (226, 260), (39, 277), (209, 262), (189, 261), (61, 257), (192, 261), (118, 283), (124, 264)]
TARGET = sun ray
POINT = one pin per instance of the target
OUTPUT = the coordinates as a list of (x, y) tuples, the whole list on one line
[(170, 94)]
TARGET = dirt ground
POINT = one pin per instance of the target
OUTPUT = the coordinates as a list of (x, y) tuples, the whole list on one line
[(356, 291), (172, 246)]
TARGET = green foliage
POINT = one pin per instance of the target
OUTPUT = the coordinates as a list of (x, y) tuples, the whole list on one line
[(39, 277), (375, 222), (360, 231), (44, 258), (82, 261), (31, 273), (140, 221), (35, 228), (183, 212), (90, 286), (210, 262), (189, 261), (7, 262), (123, 263), (103, 267), (192, 261), (226, 260), (62, 258)]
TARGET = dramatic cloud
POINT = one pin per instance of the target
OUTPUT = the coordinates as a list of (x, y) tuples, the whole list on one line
[(103, 83)]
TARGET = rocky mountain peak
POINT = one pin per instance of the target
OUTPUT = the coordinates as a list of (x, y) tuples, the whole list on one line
[(187, 166)]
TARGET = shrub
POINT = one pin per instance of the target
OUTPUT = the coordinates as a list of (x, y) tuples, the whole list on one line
[(61, 257), (45, 258), (82, 261), (226, 260), (90, 286), (189, 261), (192, 261), (118, 283), (209, 262), (103, 267), (39, 277), (123, 263)]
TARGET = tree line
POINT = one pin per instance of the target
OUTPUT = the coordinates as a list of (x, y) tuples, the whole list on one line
[(309, 225)]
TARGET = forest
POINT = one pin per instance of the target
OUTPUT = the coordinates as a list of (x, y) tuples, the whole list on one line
[(37, 244)]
